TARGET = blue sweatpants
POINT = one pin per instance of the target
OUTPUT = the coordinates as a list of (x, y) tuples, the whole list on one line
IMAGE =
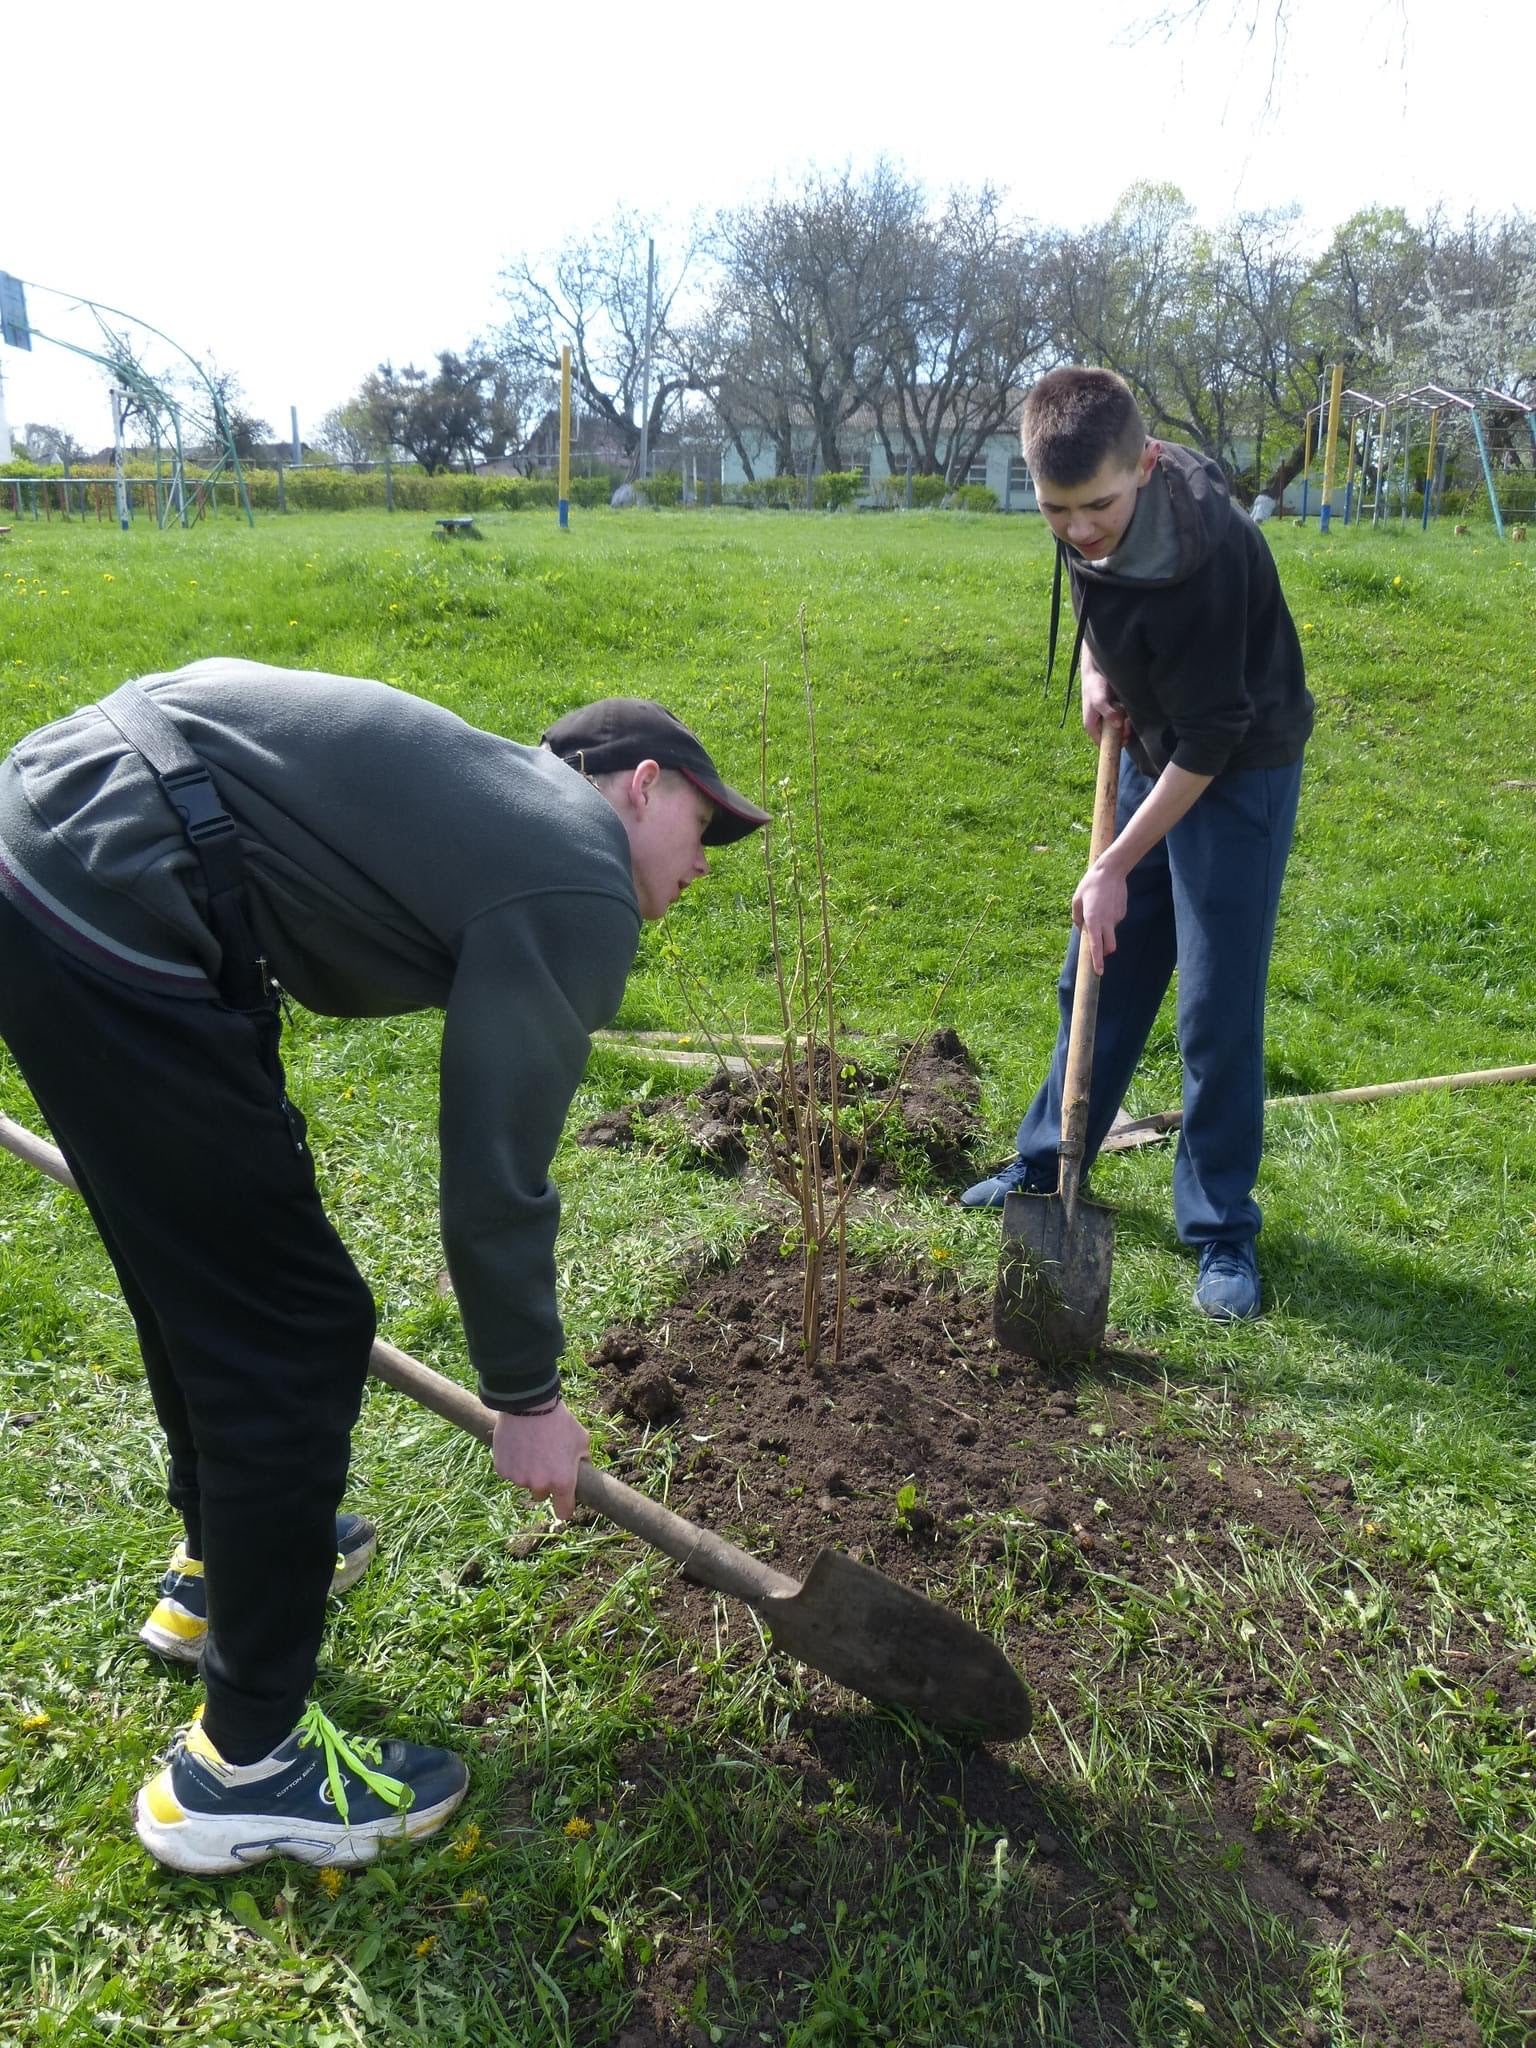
[(1204, 901)]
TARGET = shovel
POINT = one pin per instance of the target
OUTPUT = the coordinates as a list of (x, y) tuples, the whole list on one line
[(1052, 1295), (875, 1637)]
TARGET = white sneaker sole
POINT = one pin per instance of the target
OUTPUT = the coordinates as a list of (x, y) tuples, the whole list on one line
[(356, 1563), (212, 1845), (177, 1649)]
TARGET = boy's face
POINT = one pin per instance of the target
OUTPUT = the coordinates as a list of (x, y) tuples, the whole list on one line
[(1092, 516), (666, 818)]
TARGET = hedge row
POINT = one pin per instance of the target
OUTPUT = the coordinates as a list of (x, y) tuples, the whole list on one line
[(321, 490), (88, 488)]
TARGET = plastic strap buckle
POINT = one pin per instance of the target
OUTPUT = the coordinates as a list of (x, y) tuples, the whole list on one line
[(196, 800)]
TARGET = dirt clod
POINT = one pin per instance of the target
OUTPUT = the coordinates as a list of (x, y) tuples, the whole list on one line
[(650, 1396)]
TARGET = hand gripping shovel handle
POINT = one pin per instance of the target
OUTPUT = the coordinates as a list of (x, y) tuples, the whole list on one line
[(1085, 993), (702, 1554)]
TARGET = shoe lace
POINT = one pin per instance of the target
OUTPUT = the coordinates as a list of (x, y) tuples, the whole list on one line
[(359, 1754)]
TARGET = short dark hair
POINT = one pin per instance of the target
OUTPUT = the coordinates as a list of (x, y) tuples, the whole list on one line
[(1075, 420)]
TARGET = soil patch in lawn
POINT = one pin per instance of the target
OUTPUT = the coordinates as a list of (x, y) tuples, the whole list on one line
[(1128, 1545), (920, 1103)]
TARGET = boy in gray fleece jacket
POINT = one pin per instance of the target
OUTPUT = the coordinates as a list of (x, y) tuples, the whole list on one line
[(170, 860)]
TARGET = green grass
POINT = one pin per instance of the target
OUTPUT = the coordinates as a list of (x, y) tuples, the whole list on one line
[(1399, 1252)]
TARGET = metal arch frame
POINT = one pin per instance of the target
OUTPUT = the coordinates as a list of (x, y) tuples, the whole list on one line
[(134, 387), (1319, 413), (1513, 404), (1435, 397), (1365, 405)]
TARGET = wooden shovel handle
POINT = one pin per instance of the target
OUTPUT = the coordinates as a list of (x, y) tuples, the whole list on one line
[(702, 1554), (1085, 993)]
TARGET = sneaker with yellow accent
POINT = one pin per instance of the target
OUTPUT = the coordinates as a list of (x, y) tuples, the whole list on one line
[(178, 1625), (320, 1797)]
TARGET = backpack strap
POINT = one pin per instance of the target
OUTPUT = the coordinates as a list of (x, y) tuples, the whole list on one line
[(190, 790)]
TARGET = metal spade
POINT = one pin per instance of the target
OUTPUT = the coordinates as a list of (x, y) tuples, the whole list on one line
[(860, 1628), (1052, 1297)]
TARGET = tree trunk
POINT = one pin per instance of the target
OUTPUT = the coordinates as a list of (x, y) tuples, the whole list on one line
[(1288, 467), (741, 449)]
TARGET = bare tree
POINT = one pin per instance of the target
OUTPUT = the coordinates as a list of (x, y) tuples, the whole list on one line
[(815, 284), (348, 435), (1122, 284), (973, 326), (590, 295)]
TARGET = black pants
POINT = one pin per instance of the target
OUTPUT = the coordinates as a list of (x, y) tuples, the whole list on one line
[(254, 1323)]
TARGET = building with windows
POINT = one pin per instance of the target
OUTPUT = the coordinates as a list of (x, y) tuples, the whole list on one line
[(998, 463), (999, 466)]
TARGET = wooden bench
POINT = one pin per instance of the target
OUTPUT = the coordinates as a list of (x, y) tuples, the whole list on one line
[(463, 523)]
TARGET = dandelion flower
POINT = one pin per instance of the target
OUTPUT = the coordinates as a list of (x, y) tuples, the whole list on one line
[(473, 1902), (1397, 582), (329, 1879), (427, 1943), (577, 1828), (36, 1723), (468, 1842)]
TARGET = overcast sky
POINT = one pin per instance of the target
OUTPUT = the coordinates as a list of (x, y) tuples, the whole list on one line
[(297, 191)]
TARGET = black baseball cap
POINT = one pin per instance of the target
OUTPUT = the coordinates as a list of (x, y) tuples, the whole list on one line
[(621, 732)]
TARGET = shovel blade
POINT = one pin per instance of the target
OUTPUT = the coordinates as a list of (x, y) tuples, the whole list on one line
[(895, 1647), (1052, 1298)]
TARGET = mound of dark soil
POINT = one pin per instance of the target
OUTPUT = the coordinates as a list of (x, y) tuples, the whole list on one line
[(1129, 1532), (926, 1106)]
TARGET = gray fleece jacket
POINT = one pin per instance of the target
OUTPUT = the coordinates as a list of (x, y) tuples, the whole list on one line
[(397, 859)]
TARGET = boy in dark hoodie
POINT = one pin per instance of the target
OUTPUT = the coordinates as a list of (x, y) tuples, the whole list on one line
[(1188, 651)]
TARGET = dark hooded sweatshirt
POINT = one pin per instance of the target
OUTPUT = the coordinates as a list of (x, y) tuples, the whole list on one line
[(396, 859), (1187, 620)]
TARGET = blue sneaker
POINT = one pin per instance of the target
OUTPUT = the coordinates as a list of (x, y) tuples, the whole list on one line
[(1228, 1287), (320, 1797), (1017, 1178), (177, 1627)]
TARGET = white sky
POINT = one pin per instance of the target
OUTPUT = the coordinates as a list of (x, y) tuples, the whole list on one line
[(298, 191)]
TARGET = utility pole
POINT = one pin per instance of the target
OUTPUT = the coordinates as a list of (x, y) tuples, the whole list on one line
[(121, 400), (645, 362)]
